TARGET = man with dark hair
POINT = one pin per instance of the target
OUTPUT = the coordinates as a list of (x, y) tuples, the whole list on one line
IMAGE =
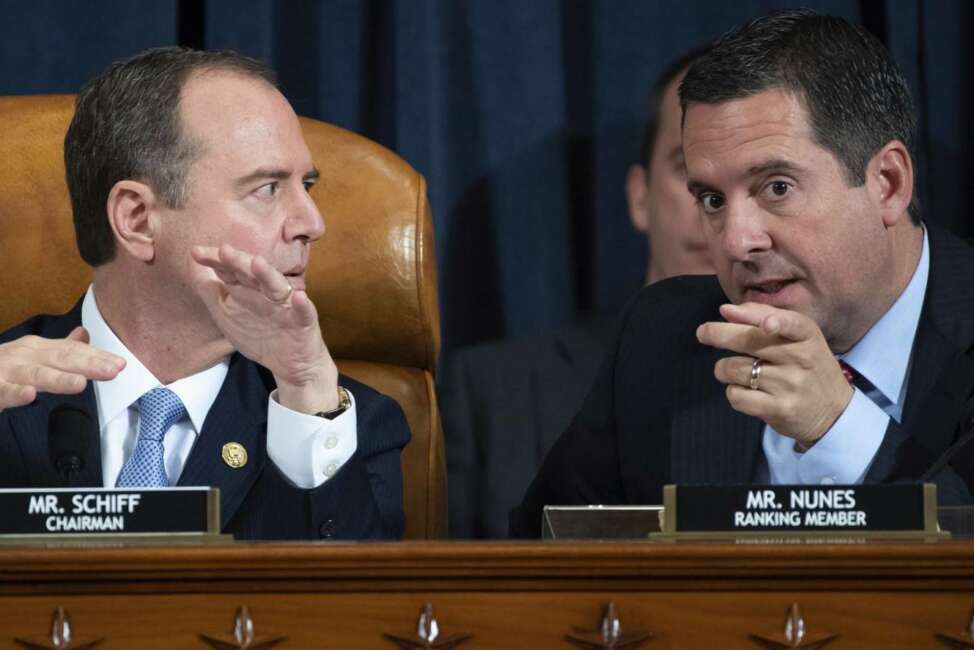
[(839, 325), (492, 452), (656, 186), (189, 180)]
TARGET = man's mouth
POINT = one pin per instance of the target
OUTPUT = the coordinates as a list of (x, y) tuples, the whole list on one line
[(295, 277), (768, 291)]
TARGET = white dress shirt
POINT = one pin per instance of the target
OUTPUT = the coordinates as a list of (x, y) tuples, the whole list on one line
[(882, 360), (307, 449)]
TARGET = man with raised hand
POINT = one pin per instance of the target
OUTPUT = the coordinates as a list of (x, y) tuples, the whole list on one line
[(189, 180), (832, 347)]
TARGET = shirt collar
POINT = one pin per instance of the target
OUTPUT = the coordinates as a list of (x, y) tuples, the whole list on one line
[(197, 392), (881, 356)]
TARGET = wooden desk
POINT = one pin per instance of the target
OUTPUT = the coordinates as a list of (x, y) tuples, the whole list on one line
[(507, 595)]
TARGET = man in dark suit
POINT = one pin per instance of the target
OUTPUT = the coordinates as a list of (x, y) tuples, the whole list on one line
[(505, 403), (196, 350), (797, 134)]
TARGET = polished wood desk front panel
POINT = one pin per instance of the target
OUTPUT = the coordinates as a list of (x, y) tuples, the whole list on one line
[(504, 595)]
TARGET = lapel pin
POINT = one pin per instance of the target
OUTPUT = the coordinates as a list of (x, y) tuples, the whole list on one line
[(234, 455)]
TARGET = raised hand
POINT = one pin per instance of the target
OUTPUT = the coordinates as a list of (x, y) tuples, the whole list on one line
[(799, 389), (271, 323), (32, 364)]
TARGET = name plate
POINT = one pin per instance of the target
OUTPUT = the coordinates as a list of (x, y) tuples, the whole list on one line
[(99, 511), (733, 510)]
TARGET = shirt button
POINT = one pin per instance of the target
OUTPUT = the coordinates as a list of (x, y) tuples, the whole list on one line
[(331, 442), (828, 480), (330, 469), (327, 529)]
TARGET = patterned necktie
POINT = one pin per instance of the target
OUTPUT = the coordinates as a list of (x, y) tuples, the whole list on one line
[(159, 409), (848, 372)]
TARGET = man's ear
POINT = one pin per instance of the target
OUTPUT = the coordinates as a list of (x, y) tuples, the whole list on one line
[(889, 179), (636, 197), (131, 206)]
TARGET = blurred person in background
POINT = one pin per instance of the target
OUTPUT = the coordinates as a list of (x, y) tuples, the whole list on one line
[(504, 403)]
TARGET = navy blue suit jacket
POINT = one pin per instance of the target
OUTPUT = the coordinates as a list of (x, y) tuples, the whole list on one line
[(363, 500), (656, 415)]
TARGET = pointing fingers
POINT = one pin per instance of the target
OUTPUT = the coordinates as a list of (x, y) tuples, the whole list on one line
[(771, 320)]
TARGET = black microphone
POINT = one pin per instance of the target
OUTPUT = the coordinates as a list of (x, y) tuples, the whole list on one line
[(68, 436)]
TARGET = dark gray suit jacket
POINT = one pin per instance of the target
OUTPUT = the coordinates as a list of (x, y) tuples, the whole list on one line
[(656, 415), (504, 404)]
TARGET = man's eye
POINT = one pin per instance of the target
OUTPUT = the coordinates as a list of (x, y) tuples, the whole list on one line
[(268, 190), (711, 202), (777, 189), (308, 185)]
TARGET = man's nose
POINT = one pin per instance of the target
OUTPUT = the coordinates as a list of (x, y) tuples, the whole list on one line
[(745, 232), (304, 220)]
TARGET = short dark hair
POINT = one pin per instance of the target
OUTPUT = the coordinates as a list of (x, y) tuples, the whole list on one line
[(857, 99), (126, 125), (655, 106)]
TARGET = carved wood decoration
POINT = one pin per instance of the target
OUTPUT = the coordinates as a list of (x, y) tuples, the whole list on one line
[(962, 641), (428, 634), (888, 595), (609, 634), (243, 636), (60, 637), (795, 635)]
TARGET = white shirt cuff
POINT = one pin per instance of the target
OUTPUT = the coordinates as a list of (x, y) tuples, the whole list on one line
[(846, 451), (308, 449)]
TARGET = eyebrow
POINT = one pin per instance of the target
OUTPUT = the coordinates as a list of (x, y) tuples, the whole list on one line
[(772, 166), (275, 174), (776, 166), (696, 187)]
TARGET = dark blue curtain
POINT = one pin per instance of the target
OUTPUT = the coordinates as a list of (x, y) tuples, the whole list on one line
[(523, 116)]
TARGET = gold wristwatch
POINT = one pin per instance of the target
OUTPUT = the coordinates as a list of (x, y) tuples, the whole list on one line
[(344, 403)]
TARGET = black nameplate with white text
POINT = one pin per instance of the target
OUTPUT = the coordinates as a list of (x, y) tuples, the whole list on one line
[(800, 508), (99, 511)]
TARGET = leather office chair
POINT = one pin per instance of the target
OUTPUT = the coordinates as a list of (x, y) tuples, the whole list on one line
[(373, 275)]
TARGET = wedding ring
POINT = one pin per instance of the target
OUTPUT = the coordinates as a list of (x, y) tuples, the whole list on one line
[(755, 374), (286, 297)]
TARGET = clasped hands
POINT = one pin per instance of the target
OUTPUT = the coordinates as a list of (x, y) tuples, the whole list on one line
[(252, 304), (800, 391)]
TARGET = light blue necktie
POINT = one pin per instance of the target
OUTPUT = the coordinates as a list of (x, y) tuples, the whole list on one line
[(159, 409)]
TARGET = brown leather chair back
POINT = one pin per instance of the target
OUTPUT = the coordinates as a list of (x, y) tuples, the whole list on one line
[(373, 275)]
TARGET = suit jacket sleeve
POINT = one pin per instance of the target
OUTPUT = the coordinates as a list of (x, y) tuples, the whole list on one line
[(363, 500), (366, 500)]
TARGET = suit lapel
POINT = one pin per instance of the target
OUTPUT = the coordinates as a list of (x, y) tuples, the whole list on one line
[(940, 382), (550, 400), (239, 415), (942, 376), (574, 355), (711, 443)]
